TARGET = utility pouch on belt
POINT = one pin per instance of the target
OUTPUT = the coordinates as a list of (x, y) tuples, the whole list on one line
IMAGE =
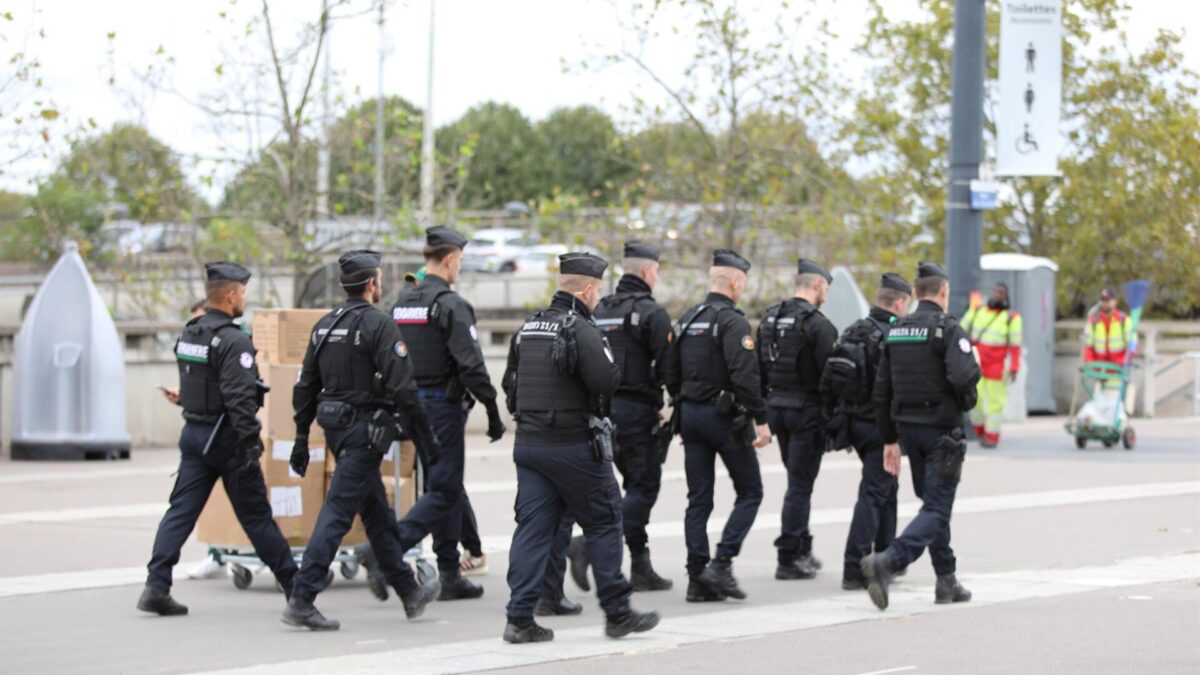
[(951, 450), (382, 430), (335, 414), (726, 403), (602, 438)]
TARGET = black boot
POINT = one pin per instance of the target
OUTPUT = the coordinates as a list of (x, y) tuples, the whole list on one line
[(561, 607), (302, 613), (577, 557), (618, 626), (877, 568), (457, 587), (853, 584), (797, 568), (698, 592), (416, 599), (526, 632), (948, 590), (810, 560), (159, 601), (642, 574), (375, 581), (718, 577)]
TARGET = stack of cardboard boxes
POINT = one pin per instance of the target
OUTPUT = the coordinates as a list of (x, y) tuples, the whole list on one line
[(281, 337)]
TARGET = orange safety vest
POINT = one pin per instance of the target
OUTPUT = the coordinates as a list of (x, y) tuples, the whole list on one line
[(1107, 340), (997, 334)]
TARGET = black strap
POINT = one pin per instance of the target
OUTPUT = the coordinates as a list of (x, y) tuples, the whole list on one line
[(336, 321)]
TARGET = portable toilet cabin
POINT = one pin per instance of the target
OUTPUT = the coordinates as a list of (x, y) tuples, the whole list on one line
[(1031, 291), (68, 372), (845, 303)]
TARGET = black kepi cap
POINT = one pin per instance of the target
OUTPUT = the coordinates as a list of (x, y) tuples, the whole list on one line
[(724, 257), (637, 249), (930, 269), (895, 282), (1107, 294), (440, 235), (226, 271), (806, 266), (357, 261), (583, 263)]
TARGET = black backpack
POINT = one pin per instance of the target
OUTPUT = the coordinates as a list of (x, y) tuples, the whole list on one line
[(852, 363)]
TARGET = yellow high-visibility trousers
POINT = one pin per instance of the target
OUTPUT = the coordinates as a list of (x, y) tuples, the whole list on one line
[(989, 410)]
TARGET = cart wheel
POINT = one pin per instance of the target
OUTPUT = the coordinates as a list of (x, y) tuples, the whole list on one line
[(349, 569), (1128, 438), (1081, 442), (425, 572), (242, 577), (328, 579), (1108, 444)]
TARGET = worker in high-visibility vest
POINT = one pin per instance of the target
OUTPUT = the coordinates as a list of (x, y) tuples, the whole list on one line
[(1108, 332), (995, 331)]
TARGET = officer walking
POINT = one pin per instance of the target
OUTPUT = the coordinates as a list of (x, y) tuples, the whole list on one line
[(356, 376), (438, 326), (559, 379), (994, 330), (713, 376), (927, 378), (220, 393), (794, 341), (846, 387), (639, 332)]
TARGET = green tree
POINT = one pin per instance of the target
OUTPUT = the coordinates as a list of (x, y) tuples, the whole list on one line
[(1131, 125), (585, 154), (129, 167), (504, 157), (352, 157), (59, 211)]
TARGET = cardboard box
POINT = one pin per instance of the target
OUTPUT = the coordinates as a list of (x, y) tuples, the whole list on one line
[(276, 413), (295, 503), (281, 335)]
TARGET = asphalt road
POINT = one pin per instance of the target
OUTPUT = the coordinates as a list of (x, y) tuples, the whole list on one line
[(1079, 561)]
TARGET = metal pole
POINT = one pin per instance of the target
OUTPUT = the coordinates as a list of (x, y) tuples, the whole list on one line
[(964, 226), (379, 186), (323, 155), (427, 136)]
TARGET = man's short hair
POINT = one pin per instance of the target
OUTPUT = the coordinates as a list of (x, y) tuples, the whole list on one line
[(214, 289), (635, 266), (355, 282), (575, 283), (808, 280), (197, 306), (724, 275), (438, 253), (886, 297), (927, 287)]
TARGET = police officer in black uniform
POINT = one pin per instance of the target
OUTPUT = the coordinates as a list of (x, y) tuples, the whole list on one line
[(221, 393), (559, 379), (846, 387), (713, 375), (794, 340), (356, 376), (438, 326), (639, 332), (926, 382)]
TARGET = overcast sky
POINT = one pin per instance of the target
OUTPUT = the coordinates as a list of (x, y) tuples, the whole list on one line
[(510, 50)]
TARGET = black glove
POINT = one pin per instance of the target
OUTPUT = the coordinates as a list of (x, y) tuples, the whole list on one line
[(300, 457), (496, 428), (251, 454)]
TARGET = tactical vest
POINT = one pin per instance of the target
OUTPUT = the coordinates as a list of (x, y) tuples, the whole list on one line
[(916, 346), (417, 314), (701, 358), (618, 319), (781, 342), (199, 383), (540, 385), (346, 357)]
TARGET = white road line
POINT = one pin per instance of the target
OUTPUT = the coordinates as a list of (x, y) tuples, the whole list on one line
[(87, 513), (740, 622), (72, 581), (901, 669), (96, 474)]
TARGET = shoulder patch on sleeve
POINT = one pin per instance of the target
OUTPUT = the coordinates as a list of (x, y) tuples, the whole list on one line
[(246, 360), (964, 345), (401, 349), (748, 343), (474, 333)]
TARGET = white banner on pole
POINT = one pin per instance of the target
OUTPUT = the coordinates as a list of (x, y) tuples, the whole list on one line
[(1030, 91)]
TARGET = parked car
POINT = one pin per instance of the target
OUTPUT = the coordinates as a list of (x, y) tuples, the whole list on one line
[(496, 250)]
